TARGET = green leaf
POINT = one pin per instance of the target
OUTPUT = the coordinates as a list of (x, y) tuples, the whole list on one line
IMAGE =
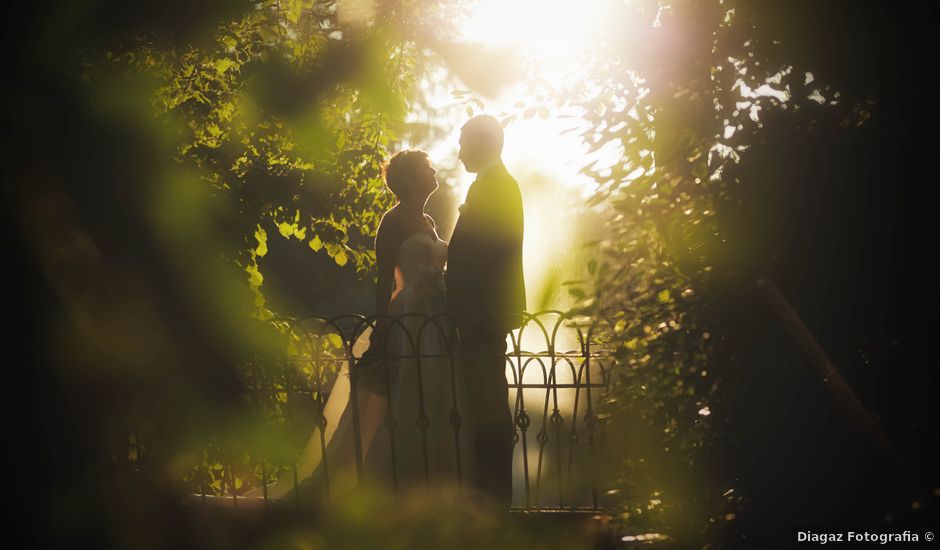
[(254, 276), (341, 258), (286, 229), (222, 65), (334, 340), (261, 237)]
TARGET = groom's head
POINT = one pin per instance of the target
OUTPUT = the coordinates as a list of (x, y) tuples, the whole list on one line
[(481, 141)]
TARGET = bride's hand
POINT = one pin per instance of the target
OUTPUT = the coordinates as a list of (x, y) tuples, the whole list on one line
[(378, 338), (377, 346)]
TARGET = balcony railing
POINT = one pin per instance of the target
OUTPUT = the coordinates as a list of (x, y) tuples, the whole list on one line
[(556, 372)]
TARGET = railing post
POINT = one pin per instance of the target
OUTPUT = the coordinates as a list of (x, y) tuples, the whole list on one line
[(322, 425), (354, 403), (455, 419), (288, 417), (573, 435), (423, 422), (522, 418), (589, 414)]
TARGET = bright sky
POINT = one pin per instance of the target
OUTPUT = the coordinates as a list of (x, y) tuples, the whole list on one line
[(551, 37)]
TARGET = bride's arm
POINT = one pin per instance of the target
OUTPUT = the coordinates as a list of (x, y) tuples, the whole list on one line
[(385, 258)]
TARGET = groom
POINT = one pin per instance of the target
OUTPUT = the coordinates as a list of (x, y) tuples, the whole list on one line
[(486, 293)]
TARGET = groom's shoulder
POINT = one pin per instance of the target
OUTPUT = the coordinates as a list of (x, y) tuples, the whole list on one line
[(500, 178), (508, 184)]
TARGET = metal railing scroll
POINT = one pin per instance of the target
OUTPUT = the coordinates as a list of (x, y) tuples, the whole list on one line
[(556, 371)]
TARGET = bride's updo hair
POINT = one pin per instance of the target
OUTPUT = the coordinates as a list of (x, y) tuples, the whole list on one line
[(398, 171)]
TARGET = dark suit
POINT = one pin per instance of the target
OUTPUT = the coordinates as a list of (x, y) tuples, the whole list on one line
[(485, 287)]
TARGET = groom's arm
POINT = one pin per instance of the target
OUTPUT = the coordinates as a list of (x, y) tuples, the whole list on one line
[(501, 232)]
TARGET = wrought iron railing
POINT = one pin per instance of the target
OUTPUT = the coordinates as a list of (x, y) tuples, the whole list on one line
[(556, 371)]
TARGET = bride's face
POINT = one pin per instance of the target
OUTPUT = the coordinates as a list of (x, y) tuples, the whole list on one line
[(423, 181)]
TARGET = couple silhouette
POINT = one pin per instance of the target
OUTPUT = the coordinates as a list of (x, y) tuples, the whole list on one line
[(437, 406)]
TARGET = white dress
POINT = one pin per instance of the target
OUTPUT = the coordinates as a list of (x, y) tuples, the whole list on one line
[(416, 431)]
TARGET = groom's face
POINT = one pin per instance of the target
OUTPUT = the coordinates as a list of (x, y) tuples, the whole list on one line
[(469, 153)]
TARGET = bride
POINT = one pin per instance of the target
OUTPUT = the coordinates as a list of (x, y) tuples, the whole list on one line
[(416, 427)]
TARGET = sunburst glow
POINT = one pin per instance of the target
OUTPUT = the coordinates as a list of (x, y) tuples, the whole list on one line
[(550, 40)]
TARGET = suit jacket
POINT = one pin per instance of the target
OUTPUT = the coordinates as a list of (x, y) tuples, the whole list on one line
[(484, 259)]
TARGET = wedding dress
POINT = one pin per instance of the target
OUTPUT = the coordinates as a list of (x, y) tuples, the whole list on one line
[(421, 429)]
